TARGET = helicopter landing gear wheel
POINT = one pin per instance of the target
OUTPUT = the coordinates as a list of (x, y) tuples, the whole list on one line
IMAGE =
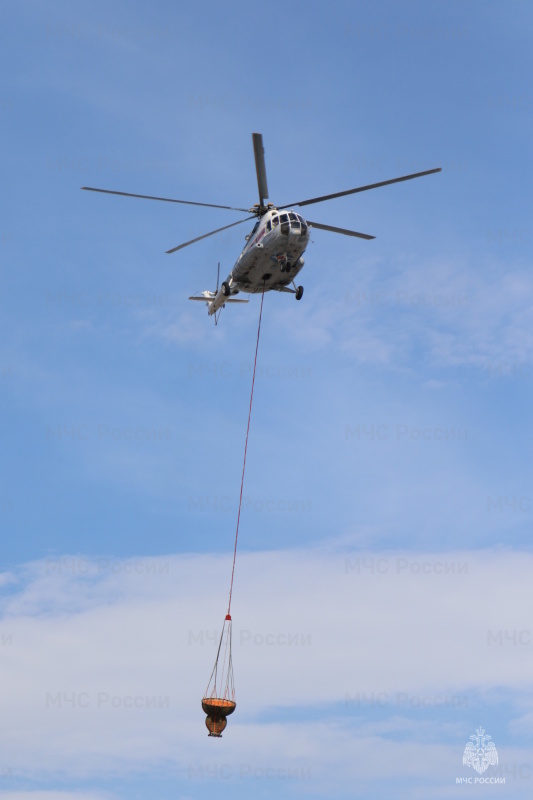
[(225, 289), (299, 292)]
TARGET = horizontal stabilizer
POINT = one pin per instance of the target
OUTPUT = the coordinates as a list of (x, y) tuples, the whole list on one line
[(206, 299)]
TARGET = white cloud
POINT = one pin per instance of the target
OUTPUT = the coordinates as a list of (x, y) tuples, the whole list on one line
[(187, 329), (104, 662), (453, 312)]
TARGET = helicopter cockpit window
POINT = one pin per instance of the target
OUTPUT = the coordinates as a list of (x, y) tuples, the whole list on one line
[(295, 221), (284, 219), (275, 221), (253, 230), (269, 225)]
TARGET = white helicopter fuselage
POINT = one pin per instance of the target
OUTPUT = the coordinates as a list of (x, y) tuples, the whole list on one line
[(273, 254), (270, 260)]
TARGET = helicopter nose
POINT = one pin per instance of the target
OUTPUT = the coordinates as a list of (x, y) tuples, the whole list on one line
[(298, 225), (300, 231)]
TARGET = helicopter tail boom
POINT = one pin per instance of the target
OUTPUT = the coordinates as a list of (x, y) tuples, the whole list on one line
[(216, 301)]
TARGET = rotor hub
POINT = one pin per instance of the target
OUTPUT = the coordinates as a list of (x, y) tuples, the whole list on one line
[(259, 209)]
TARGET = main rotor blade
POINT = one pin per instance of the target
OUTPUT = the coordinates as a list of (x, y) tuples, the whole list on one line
[(361, 188), (339, 230), (259, 153), (164, 199), (211, 233)]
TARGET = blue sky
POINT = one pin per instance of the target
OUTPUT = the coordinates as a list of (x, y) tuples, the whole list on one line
[(382, 591)]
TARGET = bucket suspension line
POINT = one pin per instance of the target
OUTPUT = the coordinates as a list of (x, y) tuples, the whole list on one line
[(245, 451), (219, 700)]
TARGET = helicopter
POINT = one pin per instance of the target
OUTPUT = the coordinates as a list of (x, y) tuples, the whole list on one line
[(273, 254)]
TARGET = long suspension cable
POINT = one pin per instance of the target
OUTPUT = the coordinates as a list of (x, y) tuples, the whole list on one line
[(245, 451)]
